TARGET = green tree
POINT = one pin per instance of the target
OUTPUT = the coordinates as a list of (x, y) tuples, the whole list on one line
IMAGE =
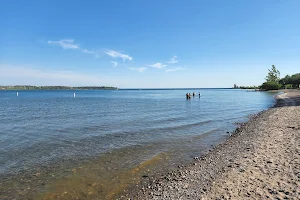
[(285, 80), (295, 80), (273, 75), (291, 81), (270, 86), (273, 81)]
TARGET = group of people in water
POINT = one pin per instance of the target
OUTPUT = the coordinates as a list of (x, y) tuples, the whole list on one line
[(188, 95)]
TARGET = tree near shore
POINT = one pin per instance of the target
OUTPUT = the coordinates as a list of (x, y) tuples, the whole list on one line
[(273, 75), (272, 80)]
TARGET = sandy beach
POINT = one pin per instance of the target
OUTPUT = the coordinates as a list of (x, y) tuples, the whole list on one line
[(261, 160)]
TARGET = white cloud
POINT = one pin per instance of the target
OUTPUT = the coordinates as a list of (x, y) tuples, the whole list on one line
[(158, 65), (161, 65), (173, 60), (65, 44), (140, 69), (174, 69), (87, 51), (69, 44), (114, 63), (116, 54)]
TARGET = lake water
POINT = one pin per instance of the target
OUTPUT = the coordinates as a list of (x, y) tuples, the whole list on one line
[(100, 142)]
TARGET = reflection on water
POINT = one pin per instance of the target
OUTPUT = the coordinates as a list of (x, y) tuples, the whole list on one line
[(97, 144)]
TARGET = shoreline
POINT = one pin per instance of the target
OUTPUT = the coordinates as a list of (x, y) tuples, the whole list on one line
[(106, 175), (252, 173)]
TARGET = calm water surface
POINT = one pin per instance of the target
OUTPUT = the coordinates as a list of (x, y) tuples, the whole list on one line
[(102, 141)]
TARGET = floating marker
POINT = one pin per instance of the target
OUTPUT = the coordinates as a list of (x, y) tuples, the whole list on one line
[(17, 94), (74, 94)]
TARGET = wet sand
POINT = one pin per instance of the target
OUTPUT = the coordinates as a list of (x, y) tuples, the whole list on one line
[(261, 160)]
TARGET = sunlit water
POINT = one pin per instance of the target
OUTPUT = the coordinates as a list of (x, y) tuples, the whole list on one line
[(100, 142)]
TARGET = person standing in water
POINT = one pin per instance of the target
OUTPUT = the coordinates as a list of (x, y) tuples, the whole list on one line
[(199, 94), (193, 94)]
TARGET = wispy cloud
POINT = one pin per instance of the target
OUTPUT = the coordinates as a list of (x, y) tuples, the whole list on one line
[(65, 44), (140, 69), (114, 63), (88, 51), (173, 60), (174, 69), (157, 65), (69, 44), (116, 54)]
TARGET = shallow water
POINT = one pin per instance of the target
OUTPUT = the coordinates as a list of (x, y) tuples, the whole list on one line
[(98, 143)]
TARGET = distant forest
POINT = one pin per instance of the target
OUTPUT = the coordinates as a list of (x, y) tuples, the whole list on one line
[(30, 87)]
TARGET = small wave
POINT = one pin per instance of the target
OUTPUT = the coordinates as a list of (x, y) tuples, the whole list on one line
[(183, 126), (205, 134)]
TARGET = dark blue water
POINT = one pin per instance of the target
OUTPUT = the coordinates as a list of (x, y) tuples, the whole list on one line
[(40, 128)]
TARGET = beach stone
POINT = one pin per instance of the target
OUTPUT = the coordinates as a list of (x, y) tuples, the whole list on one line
[(242, 170)]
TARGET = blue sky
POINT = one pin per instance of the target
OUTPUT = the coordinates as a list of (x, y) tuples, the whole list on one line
[(147, 43)]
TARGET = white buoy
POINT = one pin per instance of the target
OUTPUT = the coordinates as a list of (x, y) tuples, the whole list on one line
[(74, 94), (17, 94)]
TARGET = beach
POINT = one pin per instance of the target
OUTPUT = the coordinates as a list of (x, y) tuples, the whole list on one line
[(261, 160)]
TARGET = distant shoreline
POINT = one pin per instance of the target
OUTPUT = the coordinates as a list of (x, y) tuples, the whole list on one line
[(30, 87)]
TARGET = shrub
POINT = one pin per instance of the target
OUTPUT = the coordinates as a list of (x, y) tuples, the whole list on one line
[(270, 86), (288, 86)]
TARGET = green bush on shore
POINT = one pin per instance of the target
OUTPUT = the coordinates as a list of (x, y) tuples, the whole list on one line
[(287, 86), (270, 86)]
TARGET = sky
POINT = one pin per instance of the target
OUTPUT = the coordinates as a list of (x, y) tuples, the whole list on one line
[(147, 43)]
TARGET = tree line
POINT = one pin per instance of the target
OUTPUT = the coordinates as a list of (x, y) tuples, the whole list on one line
[(290, 81), (274, 82)]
